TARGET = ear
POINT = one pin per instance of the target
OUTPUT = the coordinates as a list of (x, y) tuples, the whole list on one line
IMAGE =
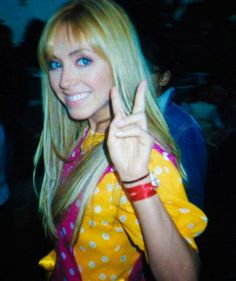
[(165, 78)]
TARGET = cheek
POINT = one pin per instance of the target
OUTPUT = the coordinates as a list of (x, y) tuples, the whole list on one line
[(54, 81), (105, 82)]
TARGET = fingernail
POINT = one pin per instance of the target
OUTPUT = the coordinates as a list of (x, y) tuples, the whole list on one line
[(119, 134), (144, 83)]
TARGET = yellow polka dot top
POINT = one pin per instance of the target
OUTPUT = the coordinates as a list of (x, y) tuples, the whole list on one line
[(110, 238)]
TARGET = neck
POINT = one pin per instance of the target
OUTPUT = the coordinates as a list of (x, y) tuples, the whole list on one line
[(99, 127)]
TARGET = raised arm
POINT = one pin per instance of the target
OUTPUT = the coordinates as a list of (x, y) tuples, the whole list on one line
[(130, 143)]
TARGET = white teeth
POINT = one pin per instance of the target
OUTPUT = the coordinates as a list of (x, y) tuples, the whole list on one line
[(77, 97)]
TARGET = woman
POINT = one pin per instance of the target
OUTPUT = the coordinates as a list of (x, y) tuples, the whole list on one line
[(112, 186)]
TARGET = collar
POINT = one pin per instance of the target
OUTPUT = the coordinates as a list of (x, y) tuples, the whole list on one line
[(165, 98)]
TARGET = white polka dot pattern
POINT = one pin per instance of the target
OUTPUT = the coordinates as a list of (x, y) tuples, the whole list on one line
[(103, 249)]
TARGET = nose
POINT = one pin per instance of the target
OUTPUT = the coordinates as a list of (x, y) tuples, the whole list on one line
[(67, 79)]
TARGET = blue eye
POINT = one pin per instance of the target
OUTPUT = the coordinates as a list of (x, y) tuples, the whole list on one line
[(84, 61), (52, 65)]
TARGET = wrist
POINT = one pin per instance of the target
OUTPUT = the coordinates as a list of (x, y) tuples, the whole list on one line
[(141, 191), (149, 177), (137, 180)]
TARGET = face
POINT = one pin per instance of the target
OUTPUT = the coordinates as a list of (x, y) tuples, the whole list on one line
[(81, 79)]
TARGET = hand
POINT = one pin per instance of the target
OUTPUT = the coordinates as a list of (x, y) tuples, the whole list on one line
[(129, 142)]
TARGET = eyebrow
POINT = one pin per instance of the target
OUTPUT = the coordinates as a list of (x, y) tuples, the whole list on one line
[(74, 52)]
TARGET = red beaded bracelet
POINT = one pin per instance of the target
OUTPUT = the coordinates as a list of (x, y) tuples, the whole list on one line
[(142, 191), (139, 179)]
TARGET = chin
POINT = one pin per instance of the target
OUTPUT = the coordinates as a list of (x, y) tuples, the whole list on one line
[(77, 116)]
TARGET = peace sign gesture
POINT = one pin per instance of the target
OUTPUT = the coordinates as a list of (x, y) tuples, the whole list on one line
[(129, 142)]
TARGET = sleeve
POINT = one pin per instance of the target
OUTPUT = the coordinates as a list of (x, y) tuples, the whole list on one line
[(194, 161), (48, 262), (189, 219)]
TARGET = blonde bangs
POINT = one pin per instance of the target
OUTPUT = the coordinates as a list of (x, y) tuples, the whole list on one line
[(77, 29)]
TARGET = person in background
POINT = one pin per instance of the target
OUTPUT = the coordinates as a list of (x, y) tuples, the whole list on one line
[(200, 103), (4, 189), (112, 196), (183, 127)]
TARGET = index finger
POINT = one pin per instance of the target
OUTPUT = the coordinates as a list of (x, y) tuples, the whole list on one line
[(139, 101), (116, 102)]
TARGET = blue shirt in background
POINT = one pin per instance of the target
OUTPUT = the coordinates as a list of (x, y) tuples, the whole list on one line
[(188, 136), (4, 190)]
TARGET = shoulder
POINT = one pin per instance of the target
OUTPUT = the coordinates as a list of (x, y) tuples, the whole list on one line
[(181, 122), (181, 116)]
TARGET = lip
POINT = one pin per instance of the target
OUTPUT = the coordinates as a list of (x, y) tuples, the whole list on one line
[(76, 98)]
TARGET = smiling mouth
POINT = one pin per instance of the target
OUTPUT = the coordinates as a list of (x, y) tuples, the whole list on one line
[(77, 97)]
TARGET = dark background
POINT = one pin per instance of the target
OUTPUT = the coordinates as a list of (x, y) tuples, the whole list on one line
[(202, 38)]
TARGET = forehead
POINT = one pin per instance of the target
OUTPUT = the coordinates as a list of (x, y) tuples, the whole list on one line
[(64, 40)]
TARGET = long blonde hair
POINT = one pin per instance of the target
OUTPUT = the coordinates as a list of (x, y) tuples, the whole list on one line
[(109, 31)]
